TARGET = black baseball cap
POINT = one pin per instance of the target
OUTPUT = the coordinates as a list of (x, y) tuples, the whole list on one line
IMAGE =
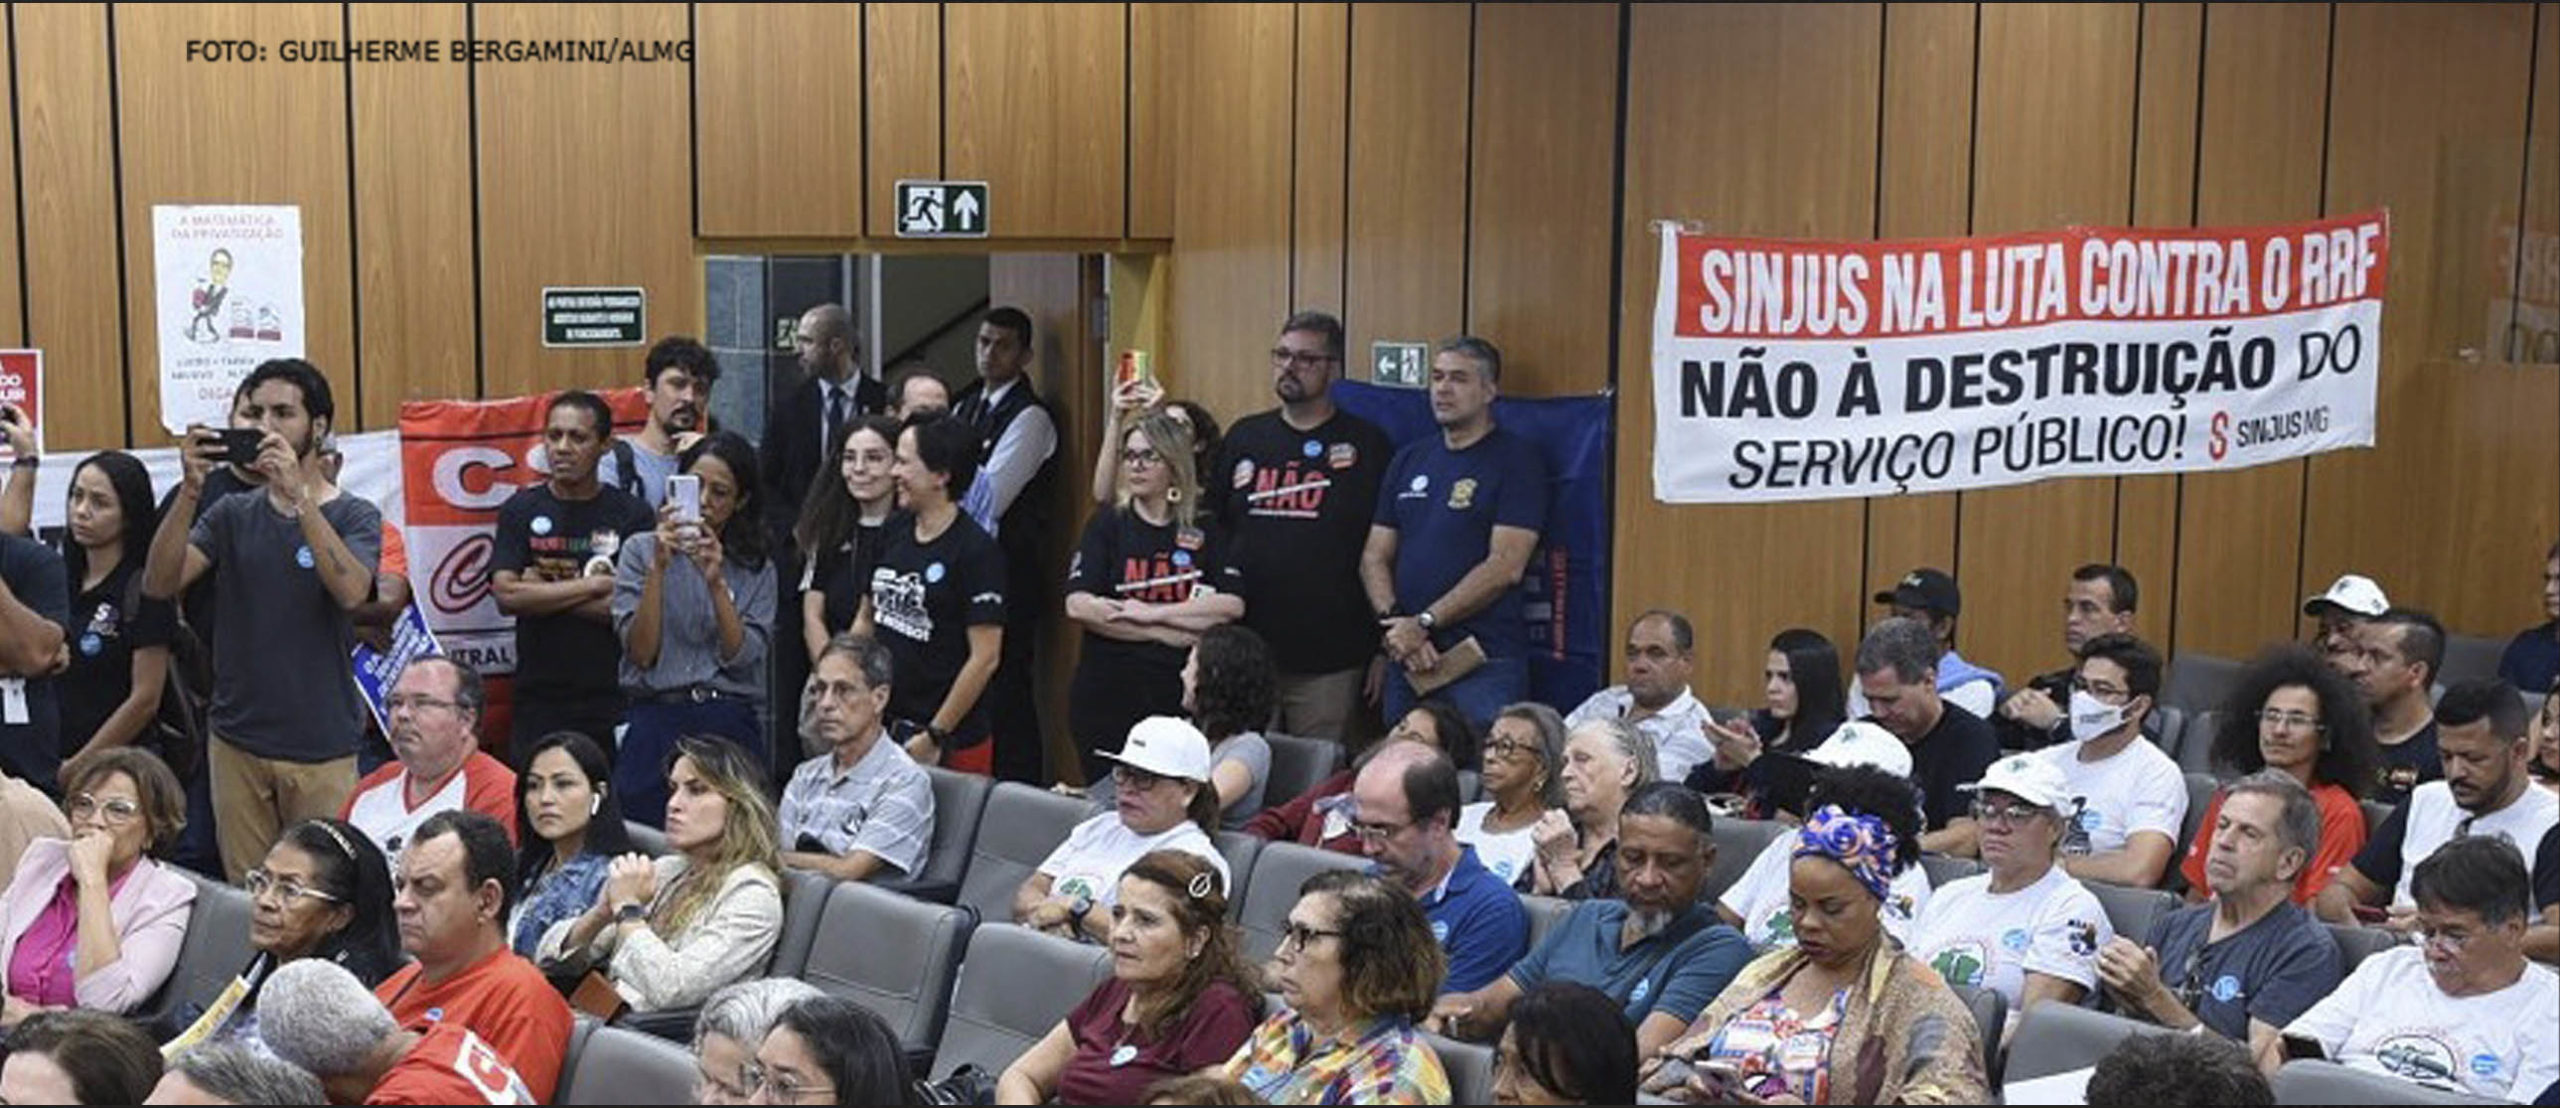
[(1927, 590)]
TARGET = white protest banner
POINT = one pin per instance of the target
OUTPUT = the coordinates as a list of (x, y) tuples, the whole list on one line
[(228, 295), (1792, 370)]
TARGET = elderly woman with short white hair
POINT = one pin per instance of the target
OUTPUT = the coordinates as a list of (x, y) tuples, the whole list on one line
[(1605, 761), (725, 1035)]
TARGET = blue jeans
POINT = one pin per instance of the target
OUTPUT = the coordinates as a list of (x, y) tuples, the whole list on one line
[(1497, 683), (640, 769)]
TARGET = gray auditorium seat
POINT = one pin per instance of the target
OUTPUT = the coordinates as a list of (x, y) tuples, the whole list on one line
[(1545, 912), (892, 954), (2195, 751), (1277, 874), (611, 1065), (1016, 984), (1469, 1066), (1990, 1018), (2200, 790), (804, 900), (1021, 826), (1241, 851), (2469, 657), (2355, 944), (646, 839), (214, 952), (1738, 842), (959, 801), (2132, 911), (2058, 1038), (1297, 764), (2199, 682), (2167, 730), (1947, 869), (2308, 1081)]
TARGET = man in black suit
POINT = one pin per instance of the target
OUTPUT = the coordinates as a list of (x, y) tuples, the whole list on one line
[(1021, 443), (833, 390)]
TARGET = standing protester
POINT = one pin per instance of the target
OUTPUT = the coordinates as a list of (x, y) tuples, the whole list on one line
[(294, 563), (679, 373), (35, 598), (833, 392), (1019, 445), (937, 600), (553, 571), (844, 527), (119, 644)]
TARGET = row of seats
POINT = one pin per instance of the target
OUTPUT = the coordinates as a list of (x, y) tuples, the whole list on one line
[(2056, 1039)]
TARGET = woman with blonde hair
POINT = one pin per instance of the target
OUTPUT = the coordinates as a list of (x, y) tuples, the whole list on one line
[(668, 932)]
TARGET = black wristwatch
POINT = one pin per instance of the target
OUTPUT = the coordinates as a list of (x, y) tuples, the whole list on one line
[(629, 913)]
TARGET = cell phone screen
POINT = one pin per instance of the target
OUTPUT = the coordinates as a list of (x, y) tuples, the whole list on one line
[(684, 490), (240, 445), (2297, 1046)]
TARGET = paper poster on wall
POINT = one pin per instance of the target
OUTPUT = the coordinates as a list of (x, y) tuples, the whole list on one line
[(22, 388), (228, 282)]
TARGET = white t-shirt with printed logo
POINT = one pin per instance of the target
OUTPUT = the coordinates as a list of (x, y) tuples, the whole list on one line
[(1089, 863), (2389, 1017), (2136, 789), (1973, 936), (1768, 917), (2433, 817), (1507, 853)]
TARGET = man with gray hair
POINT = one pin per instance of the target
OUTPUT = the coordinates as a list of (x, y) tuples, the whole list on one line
[(863, 809), (316, 1015), (1458, 518), (732, 1024), (434, 713), (1950, 747), (227, 1073), (1661, 654), (2248, 961)]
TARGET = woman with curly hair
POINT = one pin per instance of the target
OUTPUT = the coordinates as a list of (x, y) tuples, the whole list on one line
[(2292, 712)]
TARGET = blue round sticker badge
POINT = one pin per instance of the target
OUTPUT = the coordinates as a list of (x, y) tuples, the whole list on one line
[(1311, 448), (302, 557), (933, 573), (1182, 558), (2226, 988), (2015, 938), (91, 644), (2484, 1064)]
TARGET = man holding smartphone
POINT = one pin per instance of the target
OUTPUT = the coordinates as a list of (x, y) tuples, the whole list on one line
[(295, 563)]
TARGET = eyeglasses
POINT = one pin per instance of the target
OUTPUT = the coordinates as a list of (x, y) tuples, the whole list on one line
[(1298, 359), (2005, 815), (1131, 779), (1512, 748), (2102, 692), (1137, 458), (1377, 832), (417, 704), (291, 889), (2446, 939), (2290, 721), (730, 1092), (115, 812), (1298, 935), (780, 1088)]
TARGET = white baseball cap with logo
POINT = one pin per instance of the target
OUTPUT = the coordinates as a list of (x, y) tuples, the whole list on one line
[(2029, 777), (2351, 593), (1166, 747), (1860, 743)]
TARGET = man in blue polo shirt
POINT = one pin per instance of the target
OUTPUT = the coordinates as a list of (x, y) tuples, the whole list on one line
[(1405, 810), (1458, 517), (1662, 952)]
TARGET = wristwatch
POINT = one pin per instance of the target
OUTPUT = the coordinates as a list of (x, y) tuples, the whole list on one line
[(1426, 620), (629, 913), (1077, 911)]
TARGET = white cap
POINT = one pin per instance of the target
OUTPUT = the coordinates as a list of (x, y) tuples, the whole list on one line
[(2353, 594), (2029, 777), (1860, 743), (1166, 747)]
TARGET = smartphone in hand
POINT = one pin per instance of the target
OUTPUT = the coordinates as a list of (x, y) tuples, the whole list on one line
[(684, 490), (240, 445)]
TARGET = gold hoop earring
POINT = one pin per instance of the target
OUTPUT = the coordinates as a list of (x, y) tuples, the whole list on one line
[(1173, 495)]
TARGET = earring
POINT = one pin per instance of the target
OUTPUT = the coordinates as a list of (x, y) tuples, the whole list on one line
[(1173, 496), (595, 805)]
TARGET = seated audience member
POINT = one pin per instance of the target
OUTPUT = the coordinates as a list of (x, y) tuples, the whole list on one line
[(2026, 930), (2545, 767), (2395, 665), (26, 814), (434, 708), (1321, 816), (1862, 769), (1802, 703), (1605, 761), (1523, 781), (2532, 659), (1406, 801), (2147, 1070), (1950, 747), (1843, 1016), (1179, 1000), (1356, 971), (572, 829), (1660, 952), (1164, 803), (2485, 792), (863, 808), (119, 670), (830, 1050), (1661, 654), (693, 603), (2350, 603), (670, 931), (2293, 713), (731, 1025), (95, 922), (2542, 940), (2133, 799), (1930, 598), (1228, 688), (844, 525), (2099, 601), (323, 891), (2461, 1010), (451, 895), (2249, 961), (1196, 1089), (72, 1056), (319, 1018), (228, 1073), (936, 599), (1568, 1043)]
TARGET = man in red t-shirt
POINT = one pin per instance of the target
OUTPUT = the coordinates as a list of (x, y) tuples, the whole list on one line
[(434, 709), (451, 903), (316, 1015)]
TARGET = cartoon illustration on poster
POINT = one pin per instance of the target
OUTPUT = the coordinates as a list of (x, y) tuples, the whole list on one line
[(228, 295)]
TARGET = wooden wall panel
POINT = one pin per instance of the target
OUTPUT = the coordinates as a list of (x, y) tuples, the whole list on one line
[(65, 141), (418, 319), (902, 93), (2537, 295), (2437, 105), (1231, 211), (13, 317), (1037, 101), (1159, 77), (778, 108), (579, 187), (2164, 175), (1799, 165), (1320, 135), (1408, 229), (1538, 233), (1926, 147), (2266, 69), (2054, 148)]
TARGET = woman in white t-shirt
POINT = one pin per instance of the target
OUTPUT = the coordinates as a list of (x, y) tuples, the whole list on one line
[(1523, 751), (1163, 802), (2026, 930)]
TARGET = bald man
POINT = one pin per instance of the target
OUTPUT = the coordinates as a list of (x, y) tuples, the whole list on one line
[(1406, 800), (833, 390)]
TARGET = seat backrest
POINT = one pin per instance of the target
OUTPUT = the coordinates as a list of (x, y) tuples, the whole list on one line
[(1015, 985), (615, 1065), (892, 954), (804, 900), (646, 839), (2167, 729), (1277, 874), (1945, 869), (959, 801), (1738, 842), (1469, 1066), (1020, 827), (1990, 1018), (2132, 911), (2195, 751), (2311, 1081), (2467, 657), (1470, 786), (1545, 912), (2375, 812), (2200, 790), (1297, 764), (2355, 944), (215, 950), (2058, 1038), (1241, 851), (2198, 682)]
